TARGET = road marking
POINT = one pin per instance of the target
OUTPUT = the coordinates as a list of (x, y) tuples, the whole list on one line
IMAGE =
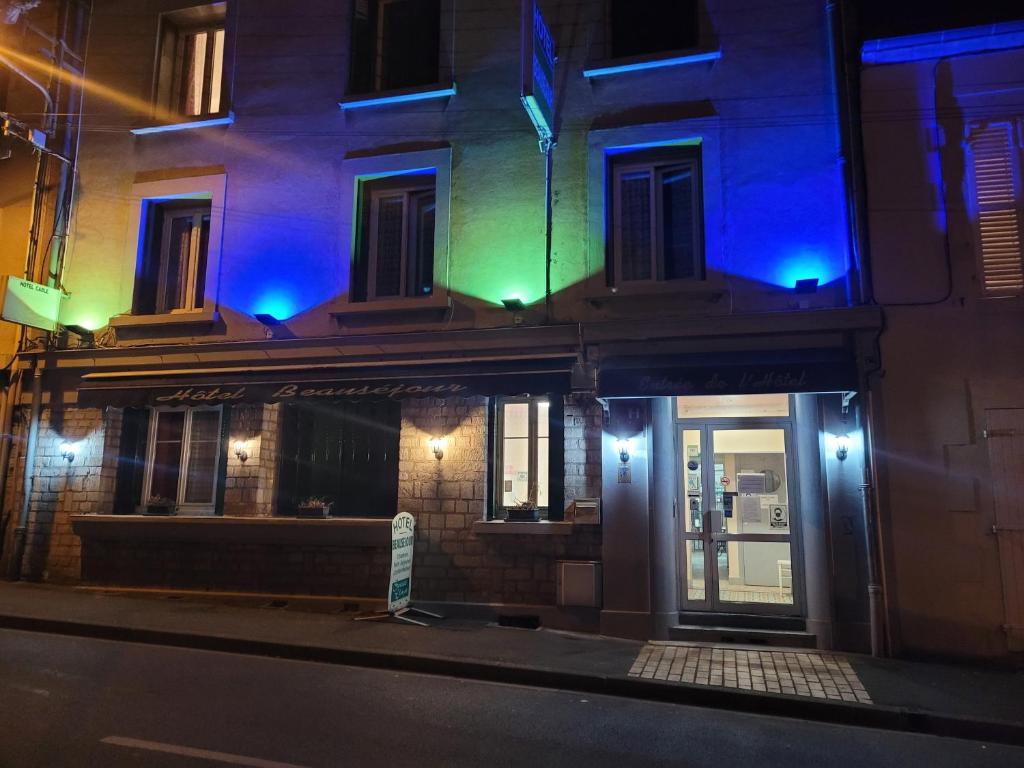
[(203, 754)]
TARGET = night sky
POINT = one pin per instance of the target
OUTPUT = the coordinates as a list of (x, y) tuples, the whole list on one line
[(886, 18)]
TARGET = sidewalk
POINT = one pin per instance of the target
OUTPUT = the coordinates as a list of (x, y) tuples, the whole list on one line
[(945, 700)]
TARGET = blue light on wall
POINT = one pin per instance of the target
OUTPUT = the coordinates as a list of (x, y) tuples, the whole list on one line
[(807, 265), (398, 98), (639, 66), (226, 120), (277, 303)]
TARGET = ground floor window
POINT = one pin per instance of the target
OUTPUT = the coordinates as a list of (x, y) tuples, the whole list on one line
[(527, 446), (343, 455), (170, 460)]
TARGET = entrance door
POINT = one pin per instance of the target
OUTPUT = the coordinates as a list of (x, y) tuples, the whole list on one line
[(737, 519)]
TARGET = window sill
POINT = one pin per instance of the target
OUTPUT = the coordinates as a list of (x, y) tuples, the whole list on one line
[(380, 98), (640, 63), (427, 305), (351, 531), (541, 528), (696, 289), (208, 122), (201, 317)]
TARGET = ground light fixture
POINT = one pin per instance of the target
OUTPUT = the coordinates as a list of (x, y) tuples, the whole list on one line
[(809, 285), (514, 304), (242, 450), (437, 446)]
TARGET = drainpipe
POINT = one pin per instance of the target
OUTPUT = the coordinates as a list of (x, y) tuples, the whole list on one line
[(872, 529), (21, 531), (548, 147)]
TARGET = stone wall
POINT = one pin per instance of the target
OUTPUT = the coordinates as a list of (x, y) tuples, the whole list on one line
[(250, 485), (60, 487), (455, 563)]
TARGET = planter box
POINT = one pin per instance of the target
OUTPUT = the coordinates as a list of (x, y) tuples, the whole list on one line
[(523, 515), (314, 512), (158, 509)]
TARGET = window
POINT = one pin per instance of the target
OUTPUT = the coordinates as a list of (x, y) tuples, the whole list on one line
[(523, 448), (171, 275), (656, 217), (170, 458), (652, 26), (995, 169), (396, 254), (395, 44), (190, 78), (345, 453)]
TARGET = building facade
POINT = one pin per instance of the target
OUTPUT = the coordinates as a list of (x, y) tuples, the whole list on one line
[(942, 122), (319, 280)]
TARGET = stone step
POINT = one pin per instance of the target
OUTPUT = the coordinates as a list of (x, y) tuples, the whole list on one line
[(777, 638), (741, 620)]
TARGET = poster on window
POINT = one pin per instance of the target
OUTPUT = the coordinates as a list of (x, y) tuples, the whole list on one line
[(403, 533)]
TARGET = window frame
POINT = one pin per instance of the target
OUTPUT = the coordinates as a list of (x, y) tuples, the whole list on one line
[(498, 509), (409, 192), (656, 163), (169, 62), (196, 244), (190, 508)]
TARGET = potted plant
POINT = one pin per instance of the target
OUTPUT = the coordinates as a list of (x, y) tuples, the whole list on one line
[(159, 505), (314, 506), (524, 511)]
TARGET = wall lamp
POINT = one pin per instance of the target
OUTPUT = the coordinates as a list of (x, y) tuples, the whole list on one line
[(624, 446), (437, 446), (68, 451), (242, 450), (842, 447)]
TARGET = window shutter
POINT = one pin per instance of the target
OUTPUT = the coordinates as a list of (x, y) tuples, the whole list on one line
[(998, 208), (131, 460), (635, 225), (677, 225), (390, 216)]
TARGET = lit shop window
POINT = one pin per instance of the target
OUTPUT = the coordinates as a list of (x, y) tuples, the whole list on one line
[(657, 227), (190, 80), (171, 274), (522, 426), (396, 250), (395, 44)]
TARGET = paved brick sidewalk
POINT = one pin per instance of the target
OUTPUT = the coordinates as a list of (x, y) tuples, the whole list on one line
[(795, 673)]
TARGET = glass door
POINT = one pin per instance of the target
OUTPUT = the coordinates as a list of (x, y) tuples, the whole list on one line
[(736, 522)]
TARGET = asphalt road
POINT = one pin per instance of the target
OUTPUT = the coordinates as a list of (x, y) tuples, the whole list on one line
[(77, 702)]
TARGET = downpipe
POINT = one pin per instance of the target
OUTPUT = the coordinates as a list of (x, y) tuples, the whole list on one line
[(21, 531)]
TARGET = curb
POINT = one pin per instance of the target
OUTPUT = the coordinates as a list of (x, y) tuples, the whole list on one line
[(770, 704)]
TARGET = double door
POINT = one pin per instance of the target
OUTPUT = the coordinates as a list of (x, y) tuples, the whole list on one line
[(736, 519)]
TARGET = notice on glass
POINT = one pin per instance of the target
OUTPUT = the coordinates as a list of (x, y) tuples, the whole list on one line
[(750, 509)]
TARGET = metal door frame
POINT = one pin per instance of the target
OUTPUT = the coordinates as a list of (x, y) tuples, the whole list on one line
[(712, 602)]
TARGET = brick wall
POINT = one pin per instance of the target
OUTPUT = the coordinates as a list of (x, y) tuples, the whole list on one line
[(447, 496), (249, 487), (60, 488)]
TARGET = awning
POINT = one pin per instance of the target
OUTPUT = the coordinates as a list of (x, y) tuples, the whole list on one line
[(782, 371), (327, 382)]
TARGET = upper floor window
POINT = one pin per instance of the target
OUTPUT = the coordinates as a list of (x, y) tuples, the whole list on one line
[(190, 77), (998, 205), (651, 26), (656, 227), (395, 44), (171, 273), (396, 258)]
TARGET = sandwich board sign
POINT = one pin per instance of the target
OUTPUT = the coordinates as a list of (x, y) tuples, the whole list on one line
[(403, 535), (403, 539)]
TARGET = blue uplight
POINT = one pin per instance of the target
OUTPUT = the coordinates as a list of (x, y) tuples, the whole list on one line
[(948, 42), (398, 98), (226, 120), (638, 66)]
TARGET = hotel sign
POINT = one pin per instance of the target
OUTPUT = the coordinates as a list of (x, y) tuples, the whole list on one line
[(31, 304), (256, 389), (403, 536), (538, 69)]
